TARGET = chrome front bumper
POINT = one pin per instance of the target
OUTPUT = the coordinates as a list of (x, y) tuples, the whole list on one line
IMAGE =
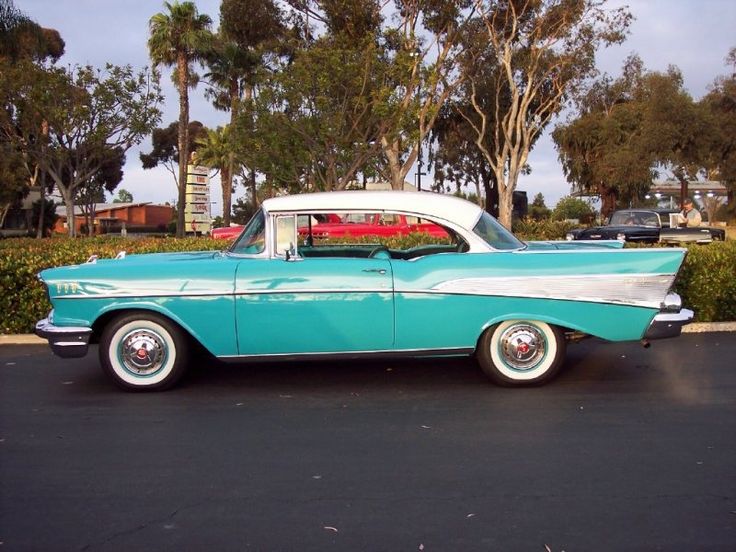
[(669, 324), (65, 341)]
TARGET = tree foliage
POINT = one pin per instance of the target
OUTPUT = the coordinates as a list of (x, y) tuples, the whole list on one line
[(165, 147), (88, 113), (629, 129), (23, 38)]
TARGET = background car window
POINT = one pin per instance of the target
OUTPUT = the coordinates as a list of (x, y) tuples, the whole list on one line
[(253, 239)]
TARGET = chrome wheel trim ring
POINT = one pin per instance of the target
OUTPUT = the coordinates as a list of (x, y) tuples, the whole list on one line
[(143, 352), (522, 346)]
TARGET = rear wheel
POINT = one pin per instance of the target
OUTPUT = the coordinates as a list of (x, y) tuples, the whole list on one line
[(143, 351), (521, 352)]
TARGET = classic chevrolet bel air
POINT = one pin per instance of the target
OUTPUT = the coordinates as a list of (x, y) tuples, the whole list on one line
[(277, 293)]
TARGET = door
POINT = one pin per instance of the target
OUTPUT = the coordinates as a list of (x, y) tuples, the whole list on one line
[(332, 303)]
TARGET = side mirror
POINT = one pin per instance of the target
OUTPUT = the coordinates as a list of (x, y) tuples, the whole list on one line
[(290, 253)]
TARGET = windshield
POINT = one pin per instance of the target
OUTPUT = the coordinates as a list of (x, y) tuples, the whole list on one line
[(634, 218), (495, 234), (253, 239)]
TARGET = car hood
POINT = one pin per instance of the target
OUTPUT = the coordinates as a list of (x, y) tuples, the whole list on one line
[(137, 274)]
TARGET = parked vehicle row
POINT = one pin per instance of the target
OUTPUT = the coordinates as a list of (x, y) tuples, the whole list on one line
[(647, 226)]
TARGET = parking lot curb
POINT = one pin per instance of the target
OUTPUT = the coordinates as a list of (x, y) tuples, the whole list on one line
[(702, 327), (696, 327), (21, 339)]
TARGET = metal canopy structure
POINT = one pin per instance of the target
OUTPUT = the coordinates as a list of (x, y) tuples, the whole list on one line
[(708, 188)]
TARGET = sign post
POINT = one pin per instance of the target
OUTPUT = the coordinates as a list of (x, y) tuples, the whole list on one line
[(197, 218)]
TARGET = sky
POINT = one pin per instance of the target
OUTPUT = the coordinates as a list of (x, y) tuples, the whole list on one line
[(694, 35)]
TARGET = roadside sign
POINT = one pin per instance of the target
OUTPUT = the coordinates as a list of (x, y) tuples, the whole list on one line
[(197, 216)]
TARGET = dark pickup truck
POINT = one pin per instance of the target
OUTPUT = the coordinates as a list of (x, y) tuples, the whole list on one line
[(646, 226)]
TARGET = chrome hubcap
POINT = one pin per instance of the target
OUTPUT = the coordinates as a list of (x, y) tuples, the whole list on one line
[(143, 352), (522, 346)]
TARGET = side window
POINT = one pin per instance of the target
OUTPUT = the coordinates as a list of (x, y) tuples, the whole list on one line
[(286, 235), (371, 234)]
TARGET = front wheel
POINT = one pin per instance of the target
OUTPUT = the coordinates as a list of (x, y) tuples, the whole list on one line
[(521, 352), (143, 351)]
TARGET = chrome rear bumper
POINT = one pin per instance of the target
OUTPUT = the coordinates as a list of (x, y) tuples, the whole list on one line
[(65, 341), (668, 324)]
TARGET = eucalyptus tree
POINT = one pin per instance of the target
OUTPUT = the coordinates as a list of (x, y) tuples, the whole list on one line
[(178, 38), (627, 130), (545, 51), (719, 106)]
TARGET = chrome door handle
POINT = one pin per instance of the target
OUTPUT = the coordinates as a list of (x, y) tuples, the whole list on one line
[(379, 270)]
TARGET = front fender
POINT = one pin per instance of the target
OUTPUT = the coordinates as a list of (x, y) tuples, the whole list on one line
[(208, 319)]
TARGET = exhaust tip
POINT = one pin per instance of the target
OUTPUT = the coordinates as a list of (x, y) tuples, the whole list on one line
[(645, 343)]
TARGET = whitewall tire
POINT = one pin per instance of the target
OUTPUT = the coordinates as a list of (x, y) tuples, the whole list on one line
[(521, 352), (143, 351)]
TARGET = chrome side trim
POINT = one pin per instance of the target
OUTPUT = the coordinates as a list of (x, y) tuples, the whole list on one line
[(134, 295), (384, 353), (640, 290), (608, 251)]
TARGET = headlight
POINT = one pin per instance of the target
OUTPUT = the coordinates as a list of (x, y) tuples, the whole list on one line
[(569, 236), (621, 236)]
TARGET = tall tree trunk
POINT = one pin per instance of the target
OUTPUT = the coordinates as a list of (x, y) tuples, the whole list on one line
[(42, 206), (608, 199), (505, 201), (68, 198), (248, 97), (183, 71), (226, 176), (253, 189), (227, 191), (397, 169)]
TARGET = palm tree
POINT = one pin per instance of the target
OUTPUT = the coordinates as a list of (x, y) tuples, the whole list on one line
[(216, 151), (230, 68), (177, 39)]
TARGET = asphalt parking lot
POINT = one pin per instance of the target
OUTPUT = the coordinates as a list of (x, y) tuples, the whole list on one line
[(629, 449)]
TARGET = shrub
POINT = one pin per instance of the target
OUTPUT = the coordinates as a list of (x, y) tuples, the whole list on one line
[(528, 229), (573, 208), (706, 281)]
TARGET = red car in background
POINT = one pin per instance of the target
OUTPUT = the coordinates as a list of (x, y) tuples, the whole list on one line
[(227, 232), (336, 226)]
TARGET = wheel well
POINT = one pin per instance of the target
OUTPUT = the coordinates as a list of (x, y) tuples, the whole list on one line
[(103, 320), (570, 334)]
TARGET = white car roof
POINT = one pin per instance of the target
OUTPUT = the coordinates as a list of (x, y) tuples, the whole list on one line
[(432, 205)]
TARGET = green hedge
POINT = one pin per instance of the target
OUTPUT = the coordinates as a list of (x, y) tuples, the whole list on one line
[(529, 229), (707, 282)]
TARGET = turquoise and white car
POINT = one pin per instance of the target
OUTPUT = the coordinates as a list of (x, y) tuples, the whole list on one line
[(279, 293)]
